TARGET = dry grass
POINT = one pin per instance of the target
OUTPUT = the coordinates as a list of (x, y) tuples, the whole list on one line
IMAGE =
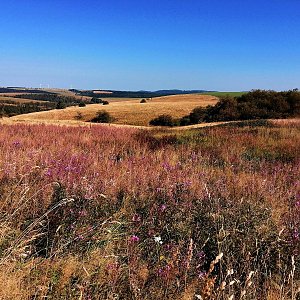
[(128, 111), (118, 213)]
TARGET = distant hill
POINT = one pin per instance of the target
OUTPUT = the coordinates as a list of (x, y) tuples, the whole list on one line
[(134, 94), (22, 90)]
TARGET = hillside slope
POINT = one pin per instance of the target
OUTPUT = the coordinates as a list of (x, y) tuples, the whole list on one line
[(130, 112)]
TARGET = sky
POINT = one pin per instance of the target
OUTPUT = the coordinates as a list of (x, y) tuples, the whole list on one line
[(225, 45)]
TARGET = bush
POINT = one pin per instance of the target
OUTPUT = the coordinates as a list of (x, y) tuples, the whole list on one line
[(162, 120), (197, 115), (102, 117), (79, 116), (60, 105), (96, 100), (104, 102), (143, 101), (185, 121), (81, 104)]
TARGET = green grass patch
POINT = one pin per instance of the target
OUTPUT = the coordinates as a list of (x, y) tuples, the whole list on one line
[(224, 94)]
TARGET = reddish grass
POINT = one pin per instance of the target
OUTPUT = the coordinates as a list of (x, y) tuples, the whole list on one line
[(118, 213)]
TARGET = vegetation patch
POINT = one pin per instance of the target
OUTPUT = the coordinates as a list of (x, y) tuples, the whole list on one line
[(256, 104), (106, 212)]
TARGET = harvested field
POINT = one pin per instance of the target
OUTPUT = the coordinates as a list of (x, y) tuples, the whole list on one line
[(129, 112)]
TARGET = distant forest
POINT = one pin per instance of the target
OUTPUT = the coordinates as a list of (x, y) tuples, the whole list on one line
[(50, 101), (130, 94), (8, 109), (21, 90), (67, 100)]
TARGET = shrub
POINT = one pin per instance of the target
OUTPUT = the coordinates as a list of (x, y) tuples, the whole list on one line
[(162, 120), (60, 105), (79, 116), (102, 117), (96, 100), (197, 115), (143, 101), (104, 102), (81, 104)]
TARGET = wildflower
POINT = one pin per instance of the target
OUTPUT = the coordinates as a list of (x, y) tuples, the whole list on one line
[(201, 257), (136, 218), (167, 166), (83, 213), (158, 240), (17, 144), (164, 271), (134, 239), (296, 235), (48, 173), (201, 274), (163, 207)]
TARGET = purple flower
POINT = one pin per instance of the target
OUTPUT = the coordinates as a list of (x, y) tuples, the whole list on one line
[(201, 258), (201, 274), (134, 239), (296, 235), (201, 255), (17, 143), (48, 173), (167, 166), (83, 213), (163, 207), (164, 271), (136, 218)]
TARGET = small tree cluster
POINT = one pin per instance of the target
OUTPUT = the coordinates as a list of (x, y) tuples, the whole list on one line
[(163, 120), (102, 117)]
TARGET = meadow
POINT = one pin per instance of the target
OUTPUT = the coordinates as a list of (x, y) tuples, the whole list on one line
[(224, 94), (102, 212)]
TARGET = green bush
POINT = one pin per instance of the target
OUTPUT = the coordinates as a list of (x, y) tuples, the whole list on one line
[(60, 105), (162, 120), (102, 117), (96, 100)]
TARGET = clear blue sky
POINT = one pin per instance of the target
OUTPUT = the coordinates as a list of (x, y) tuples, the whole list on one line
[(151, 44)]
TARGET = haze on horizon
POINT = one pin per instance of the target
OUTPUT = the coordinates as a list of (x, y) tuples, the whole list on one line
[(150, 45)]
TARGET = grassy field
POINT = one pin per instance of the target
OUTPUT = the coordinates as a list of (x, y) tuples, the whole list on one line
[(103, 212), (127, 111), (223, 94)]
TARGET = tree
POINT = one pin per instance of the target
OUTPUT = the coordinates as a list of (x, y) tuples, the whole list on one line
[(60, 105), (162, 120), (102, 117)]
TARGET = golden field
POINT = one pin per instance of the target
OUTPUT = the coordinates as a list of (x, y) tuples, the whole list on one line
[(127, 111)]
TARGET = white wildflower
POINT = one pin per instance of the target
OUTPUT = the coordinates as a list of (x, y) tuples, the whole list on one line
[(157, 239)]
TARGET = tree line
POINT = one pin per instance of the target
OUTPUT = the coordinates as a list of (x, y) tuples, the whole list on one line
[(257, 104), (9, 110)]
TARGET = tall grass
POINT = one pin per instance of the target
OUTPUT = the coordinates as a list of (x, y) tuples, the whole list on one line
[(111, 213)]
